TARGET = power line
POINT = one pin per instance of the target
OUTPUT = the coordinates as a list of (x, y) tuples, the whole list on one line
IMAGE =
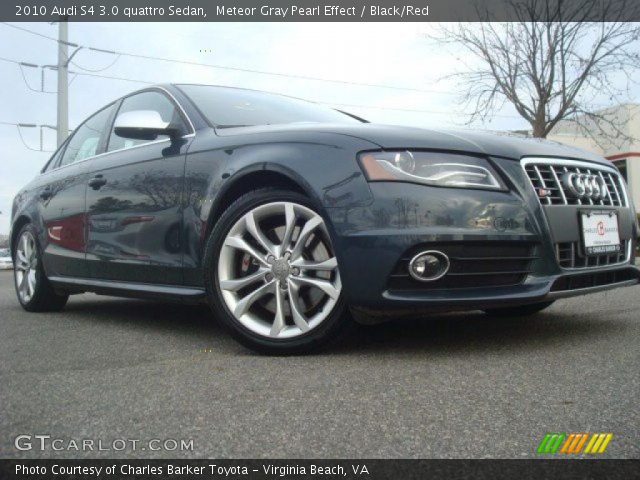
[(13, 124), (27, 146), (302, 77), (119, 54), (8, 60), (435, 112), (109, 77), (279, 74), (348, 105), (87, 73), (24, 78), (95, 73), (38, 34), (19, 127), (26, 82), (98, 69), (236, 69)]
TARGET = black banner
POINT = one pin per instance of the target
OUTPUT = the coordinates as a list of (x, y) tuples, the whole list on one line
[(320, 469), (316, 11)]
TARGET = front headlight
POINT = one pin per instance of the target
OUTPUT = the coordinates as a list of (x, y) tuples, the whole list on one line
[(430, 168)]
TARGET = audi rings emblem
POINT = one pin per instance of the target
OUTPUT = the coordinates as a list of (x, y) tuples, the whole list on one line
[(584, 185)]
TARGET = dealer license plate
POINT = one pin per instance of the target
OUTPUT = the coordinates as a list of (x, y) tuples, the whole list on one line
[(600, 233)]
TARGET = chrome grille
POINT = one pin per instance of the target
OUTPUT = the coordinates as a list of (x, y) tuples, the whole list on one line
[(569, 256), (546, 174)]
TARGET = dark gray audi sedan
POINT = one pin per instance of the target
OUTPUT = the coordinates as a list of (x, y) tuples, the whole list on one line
[(291, 219)]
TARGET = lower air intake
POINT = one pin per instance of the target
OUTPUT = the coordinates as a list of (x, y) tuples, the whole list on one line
[(472, 264)]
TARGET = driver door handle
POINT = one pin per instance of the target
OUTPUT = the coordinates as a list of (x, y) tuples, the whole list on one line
[(97, 182)]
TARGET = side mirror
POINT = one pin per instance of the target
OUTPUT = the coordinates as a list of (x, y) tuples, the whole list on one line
[(143, 125)]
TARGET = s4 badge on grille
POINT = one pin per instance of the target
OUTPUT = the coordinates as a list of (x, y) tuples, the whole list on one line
[(543, 192)]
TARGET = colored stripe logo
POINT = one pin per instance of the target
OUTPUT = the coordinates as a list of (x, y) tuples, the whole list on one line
[(574, 443)]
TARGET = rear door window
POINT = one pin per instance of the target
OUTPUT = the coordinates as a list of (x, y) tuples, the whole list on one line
[(86, 139)]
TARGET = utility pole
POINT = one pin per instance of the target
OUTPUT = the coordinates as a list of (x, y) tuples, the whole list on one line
[(63, 84)]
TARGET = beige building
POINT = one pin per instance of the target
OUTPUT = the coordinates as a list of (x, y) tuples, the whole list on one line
[(620, 144)]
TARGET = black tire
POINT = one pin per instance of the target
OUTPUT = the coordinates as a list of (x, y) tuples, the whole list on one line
[(519, 311), (44, 298), (331, 328)]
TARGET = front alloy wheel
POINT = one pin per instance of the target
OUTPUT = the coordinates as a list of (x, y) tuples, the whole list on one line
[(277, 274)]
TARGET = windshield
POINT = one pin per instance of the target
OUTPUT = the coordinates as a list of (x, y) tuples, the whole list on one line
[(233, 107)]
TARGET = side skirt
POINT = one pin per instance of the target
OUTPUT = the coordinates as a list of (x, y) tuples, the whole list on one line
[(129, 289)]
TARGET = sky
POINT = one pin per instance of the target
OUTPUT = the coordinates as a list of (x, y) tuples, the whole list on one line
[(400, 55)]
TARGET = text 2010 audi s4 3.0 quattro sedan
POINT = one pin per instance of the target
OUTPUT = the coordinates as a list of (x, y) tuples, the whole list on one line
[(283, 215)]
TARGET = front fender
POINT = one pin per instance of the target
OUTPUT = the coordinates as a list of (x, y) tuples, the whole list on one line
[(321, 165)]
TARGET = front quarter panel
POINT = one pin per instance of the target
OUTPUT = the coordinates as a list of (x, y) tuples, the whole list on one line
[(323, 165)]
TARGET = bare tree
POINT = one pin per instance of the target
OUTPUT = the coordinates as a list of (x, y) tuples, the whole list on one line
[(552, 63)]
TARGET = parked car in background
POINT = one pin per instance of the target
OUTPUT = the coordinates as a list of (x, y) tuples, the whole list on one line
[(286, 216), (6, 263)]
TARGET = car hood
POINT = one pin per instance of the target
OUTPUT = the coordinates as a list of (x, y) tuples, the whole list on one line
[(395, 137)]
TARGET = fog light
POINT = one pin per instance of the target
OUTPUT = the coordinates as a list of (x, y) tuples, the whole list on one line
[(429, 266)]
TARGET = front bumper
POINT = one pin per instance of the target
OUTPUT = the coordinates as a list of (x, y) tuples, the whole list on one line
[(532, 290), (505, 245)]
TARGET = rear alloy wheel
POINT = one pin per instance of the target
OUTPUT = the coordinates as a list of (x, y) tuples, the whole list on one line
[(33, 289), (276, 275), (26, 267)]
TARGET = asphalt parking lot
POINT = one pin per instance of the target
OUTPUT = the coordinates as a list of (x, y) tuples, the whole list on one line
[(456, 385)]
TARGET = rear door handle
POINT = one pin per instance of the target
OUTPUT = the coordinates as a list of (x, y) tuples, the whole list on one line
[(46, 194), (97, 182)]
